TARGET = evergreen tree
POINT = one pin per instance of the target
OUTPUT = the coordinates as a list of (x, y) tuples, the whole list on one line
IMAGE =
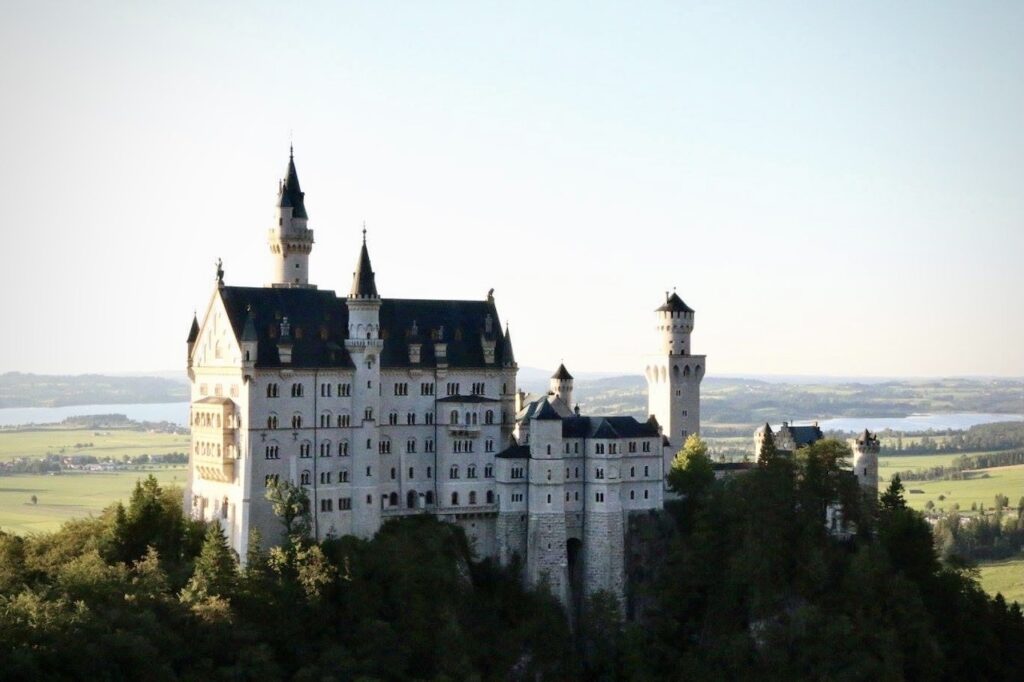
[(893, 498), (216, 570), (768, 449)]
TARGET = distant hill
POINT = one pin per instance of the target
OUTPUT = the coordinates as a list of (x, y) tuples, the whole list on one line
[(43, 390)]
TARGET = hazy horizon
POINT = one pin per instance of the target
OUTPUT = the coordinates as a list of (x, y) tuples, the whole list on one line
[(835, 190)]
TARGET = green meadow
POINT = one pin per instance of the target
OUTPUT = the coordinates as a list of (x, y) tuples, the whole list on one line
[(105, 443), (1006, 577), (60, 497), (980, 489)]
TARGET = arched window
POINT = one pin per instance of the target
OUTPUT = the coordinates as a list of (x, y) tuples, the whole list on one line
[(304, 478), (272, 421), (224, 508), (410, 499), (296, 421), (472, 497), (430, 497), (686, 371), (455, 417), (455, 499), (489, 417), (393, 499), (490, 497)]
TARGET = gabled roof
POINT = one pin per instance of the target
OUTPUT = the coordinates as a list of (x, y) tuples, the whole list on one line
[(802, 435), (319, 327), (290, 194), (562, 374), (674, 304), (363, 284)]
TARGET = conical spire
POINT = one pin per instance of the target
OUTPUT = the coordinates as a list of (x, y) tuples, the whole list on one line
[(249, 330), (291, 194), (193, 332), (363, 283), (508, 356), (562, 374)]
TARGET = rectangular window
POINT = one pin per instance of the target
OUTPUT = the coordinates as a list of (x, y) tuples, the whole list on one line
[(344, 503)]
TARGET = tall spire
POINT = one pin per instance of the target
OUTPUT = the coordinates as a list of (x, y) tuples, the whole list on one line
[(291, 194), (508, 357), (363, 281)]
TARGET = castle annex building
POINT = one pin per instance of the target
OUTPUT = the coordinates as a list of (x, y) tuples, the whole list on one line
[(386, 407)]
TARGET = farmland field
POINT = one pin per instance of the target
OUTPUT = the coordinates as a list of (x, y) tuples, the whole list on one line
[(69, 495), (1006, 577), (115, 443), (1007, 481)]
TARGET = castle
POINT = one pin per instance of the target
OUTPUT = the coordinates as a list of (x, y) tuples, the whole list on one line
[(388, 407)]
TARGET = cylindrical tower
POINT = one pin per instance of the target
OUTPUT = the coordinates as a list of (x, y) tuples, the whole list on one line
[(865, 462), (560, 385), (674, 373), (290, 240)]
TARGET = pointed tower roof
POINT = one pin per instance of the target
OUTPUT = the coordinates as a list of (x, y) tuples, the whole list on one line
[(674, 304), (249, 331), (193, 332), (562, 374), (506, 348), (291, 195), (363, 282), (546, 412)]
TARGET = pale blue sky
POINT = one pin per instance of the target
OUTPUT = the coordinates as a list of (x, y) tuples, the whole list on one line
[(836, 189)]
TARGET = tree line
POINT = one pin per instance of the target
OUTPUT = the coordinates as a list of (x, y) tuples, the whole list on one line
[(751, 585)]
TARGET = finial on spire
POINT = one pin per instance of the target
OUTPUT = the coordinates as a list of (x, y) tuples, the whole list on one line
[(220, 272), (364, 231)]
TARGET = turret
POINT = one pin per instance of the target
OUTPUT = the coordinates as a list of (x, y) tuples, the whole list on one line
[(364, 345), (561, 385), (249, 342), (674, 373), (865, 462), (675, 323), (290, 240)]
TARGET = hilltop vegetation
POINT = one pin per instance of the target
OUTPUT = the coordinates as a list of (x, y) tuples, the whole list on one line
[(142, 592)]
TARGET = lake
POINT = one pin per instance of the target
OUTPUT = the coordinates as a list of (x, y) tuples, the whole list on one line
[(147, 412), (915, 422), (177, 413)]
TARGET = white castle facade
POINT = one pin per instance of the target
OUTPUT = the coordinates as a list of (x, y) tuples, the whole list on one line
[(385, 407)]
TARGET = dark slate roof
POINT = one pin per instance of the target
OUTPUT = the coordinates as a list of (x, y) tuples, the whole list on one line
[(193, 332), (607, 427), (675, 304), (562, 374), (467, 399), (363, 284), (803, 435), (545, 412), (319, 327), (290, 194), (515, 452)]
